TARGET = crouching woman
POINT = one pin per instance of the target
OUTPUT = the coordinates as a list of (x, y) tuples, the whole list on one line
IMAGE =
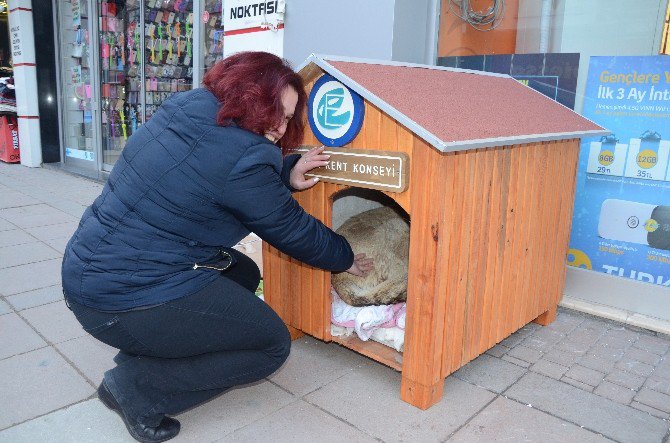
[(150, 270)]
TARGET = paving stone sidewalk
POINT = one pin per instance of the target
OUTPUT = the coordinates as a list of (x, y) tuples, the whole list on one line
[(582, 378)]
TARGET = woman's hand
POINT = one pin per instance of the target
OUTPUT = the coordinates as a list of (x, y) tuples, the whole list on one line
[(362, 266), (311, 159)]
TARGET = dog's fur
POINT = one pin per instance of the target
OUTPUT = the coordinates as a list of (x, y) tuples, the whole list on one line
[(382, 235)]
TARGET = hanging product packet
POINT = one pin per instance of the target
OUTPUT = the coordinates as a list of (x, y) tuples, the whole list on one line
[(78, 46)]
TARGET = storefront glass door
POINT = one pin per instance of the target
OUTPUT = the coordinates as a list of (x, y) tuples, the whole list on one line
[(120, 62), (118, 67), (77, 94)]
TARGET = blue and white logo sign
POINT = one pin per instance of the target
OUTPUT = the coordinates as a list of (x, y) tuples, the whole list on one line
[(335, 112)]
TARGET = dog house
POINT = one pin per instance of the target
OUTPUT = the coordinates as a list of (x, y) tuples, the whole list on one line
[(485, 168)]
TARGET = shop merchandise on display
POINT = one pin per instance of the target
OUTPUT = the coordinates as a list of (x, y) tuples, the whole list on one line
[(7, 94), (120, 46), (167, 33), (9, 134), (145, 50), (168, 37), (213, 21)]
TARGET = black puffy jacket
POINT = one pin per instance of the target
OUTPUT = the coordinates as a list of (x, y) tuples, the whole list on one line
[(182, 188)]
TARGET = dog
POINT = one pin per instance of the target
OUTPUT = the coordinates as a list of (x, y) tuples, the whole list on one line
[(383, 235)]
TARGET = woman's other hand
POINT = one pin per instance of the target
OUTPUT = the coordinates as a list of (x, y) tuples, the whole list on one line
[(362, 266), (311, 159)]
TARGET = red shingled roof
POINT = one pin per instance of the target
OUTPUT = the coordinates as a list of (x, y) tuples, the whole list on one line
[(463, 109)]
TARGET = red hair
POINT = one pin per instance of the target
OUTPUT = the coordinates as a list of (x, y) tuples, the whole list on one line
[(249, 86)]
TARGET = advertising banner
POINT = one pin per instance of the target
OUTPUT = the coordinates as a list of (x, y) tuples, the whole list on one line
[(621, 223)]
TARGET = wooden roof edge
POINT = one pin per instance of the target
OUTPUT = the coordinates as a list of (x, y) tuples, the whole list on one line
[(462, 145)]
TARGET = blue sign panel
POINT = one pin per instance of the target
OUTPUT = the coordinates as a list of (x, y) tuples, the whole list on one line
[(335, 112)]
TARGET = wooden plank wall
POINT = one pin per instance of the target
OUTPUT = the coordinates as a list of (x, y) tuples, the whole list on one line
[(488, 237), (487, 257), (491, 252), (299, 293)]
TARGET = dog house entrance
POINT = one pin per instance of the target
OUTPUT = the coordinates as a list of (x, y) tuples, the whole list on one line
[(368, 313)]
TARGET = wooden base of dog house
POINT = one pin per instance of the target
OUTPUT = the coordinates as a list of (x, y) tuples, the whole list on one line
[(389, 356), (376, 351)]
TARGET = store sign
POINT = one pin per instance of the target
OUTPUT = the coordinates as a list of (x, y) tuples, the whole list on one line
[(335, 112), (253, 25), (381, 170), (15, 32), (21, 37), (245, 14)]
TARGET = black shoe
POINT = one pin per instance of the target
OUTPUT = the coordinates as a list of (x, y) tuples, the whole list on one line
[(167, 429)]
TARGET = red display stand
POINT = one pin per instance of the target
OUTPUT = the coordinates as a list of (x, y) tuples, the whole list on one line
[(9, 139)]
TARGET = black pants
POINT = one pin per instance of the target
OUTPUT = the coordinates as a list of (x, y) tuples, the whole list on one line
[(182, 353)]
